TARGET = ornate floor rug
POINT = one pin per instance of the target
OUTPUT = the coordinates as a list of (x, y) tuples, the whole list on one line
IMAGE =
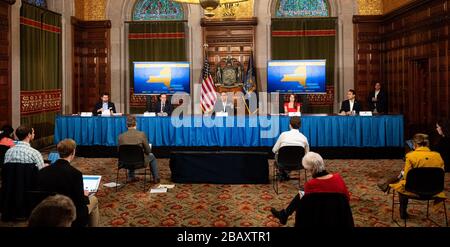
[(210, 205)]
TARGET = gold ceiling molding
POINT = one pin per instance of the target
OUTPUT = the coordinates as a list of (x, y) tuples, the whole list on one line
[(390, 5), (236, 10), (370, 7), (89, 10)]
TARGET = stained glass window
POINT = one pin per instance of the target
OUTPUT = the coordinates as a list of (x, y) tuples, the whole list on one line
[(302, 8), (39, 3), (145, 10)]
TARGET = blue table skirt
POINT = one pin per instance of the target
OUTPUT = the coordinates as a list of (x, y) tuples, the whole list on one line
[(321, 131)]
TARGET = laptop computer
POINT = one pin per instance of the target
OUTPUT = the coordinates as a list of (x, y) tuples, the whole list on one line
[(91, 183)]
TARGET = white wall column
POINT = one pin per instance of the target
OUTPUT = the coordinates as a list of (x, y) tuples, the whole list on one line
[(15, 63)]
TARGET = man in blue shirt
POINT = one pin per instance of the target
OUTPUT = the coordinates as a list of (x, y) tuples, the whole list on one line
[(104, 105)]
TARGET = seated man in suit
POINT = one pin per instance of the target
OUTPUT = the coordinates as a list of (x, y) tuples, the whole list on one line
[(351, 104), (65, 179), (223, 105), (378, 100), (104, 105), (163, 106), (135, 137)]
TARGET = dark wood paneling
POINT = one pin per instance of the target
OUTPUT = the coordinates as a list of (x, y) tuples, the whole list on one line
[(91, 62), (413, 51), (367, 55), (234, 38), (5, 64)]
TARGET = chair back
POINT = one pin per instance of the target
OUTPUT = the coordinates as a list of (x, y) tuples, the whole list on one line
[(37, 196), (324, 210), (425, 181), (131, 157), (3, 150), (17, 179), (291, 156)]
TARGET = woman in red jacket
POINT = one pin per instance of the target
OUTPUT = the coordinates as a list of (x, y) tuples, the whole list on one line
[(322, 182)]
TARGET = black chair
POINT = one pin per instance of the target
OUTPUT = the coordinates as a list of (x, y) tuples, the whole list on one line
[(3, 150), (324, 210), (426, 183), (37, 196), (290, 158), (17, 179), (131, 157)]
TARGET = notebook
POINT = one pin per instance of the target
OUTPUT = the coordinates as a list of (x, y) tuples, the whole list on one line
[(91, 183), (410, 144)]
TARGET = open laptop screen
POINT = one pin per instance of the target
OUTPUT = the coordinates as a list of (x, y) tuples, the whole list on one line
[(91, 182)]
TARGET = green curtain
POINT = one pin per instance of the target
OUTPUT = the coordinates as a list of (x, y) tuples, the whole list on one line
[(307, 38), (155, 41), (40, 68)]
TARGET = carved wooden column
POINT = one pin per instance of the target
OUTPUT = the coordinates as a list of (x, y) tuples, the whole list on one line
[(5, 61)]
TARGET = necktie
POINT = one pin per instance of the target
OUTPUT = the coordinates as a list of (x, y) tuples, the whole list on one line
[(162, 107)]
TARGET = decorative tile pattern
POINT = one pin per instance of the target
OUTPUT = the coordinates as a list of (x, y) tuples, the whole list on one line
[(145, 10), (302, 8), (370, 7), (88, 10), (32, 102)]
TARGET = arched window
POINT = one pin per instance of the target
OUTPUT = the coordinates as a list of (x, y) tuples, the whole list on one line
[(39, 3), (147, 10), (302, 8)]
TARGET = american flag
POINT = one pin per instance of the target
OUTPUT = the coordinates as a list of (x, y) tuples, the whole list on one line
[(208, 93)]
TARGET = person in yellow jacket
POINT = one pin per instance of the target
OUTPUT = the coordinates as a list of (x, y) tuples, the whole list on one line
[(421, 157)]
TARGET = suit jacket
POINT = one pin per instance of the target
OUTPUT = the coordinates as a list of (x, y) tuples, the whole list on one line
[(345, 106), (99, 105), (136, 137), (62, 178), (381, 104), (218, 107), (168, 108)]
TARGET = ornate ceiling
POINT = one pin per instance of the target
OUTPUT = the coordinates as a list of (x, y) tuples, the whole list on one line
[(95, 10)]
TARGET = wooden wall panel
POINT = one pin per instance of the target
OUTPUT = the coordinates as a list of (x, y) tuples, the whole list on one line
[(368, 61), (414, 47), (234, 38), (5, 63), (91, 63)]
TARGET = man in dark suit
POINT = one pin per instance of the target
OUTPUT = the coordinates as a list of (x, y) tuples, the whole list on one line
[(223, 105), (62, 178), (163, 105), (351, 104), (135, 137), (378, 100), (104, 105)]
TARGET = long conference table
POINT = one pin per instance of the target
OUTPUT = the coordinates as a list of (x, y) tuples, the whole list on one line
[(237, 131)]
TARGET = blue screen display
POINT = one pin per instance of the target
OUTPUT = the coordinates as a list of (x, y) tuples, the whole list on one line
[(161, 77), (296, 76)]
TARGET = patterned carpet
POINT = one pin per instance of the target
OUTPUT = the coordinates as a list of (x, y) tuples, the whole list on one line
[(209, 205)]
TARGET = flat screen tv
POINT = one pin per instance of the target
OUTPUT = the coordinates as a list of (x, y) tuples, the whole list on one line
[(161, 77), (296, 76)]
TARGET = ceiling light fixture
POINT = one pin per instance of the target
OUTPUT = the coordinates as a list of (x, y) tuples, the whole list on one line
[(209, 5)]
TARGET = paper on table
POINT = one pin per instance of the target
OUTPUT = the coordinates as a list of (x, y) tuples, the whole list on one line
[(158, 190), (168, 186), (111, 185)]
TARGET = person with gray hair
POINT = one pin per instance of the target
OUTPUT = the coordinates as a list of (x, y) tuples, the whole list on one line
[(321, 182), (53, 211)]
